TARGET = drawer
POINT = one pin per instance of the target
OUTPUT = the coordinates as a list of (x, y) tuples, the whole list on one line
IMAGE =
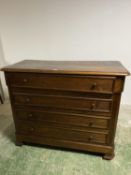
[(62, 82), (84, 121), (104, 105), (29, 128)]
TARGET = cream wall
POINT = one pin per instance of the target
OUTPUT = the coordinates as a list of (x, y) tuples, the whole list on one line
[(67, 30)]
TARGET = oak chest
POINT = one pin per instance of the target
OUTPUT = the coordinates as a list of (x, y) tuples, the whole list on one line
[(66, 104)]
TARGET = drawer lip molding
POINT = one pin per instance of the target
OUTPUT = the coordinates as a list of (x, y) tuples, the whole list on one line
[(69, 104), (60, 96)]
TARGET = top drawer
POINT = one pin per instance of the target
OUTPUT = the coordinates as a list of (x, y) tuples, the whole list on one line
[(62, 82)]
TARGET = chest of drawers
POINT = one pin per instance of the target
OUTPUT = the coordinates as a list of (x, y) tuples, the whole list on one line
[(66, 104)]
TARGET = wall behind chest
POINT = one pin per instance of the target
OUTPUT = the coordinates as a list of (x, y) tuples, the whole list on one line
[(67, 30)]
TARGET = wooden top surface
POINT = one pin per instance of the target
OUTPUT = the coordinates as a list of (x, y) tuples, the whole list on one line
[(69, 67)]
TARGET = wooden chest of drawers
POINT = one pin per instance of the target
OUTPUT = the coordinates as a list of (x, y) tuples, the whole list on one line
[(66, 104)]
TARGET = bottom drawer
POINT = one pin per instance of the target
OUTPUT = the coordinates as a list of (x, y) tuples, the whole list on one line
[(61, 133)]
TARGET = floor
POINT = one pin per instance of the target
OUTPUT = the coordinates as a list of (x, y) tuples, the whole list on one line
[(34, 160)]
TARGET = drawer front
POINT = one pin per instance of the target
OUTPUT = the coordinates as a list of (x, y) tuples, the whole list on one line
[(61, 133), (62, 82), (63, 118), (63, 102)]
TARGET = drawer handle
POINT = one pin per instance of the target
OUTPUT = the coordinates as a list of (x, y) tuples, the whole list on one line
[(90, 124), (25, 80), (27, 99), (30, 115), (32, 129), (93, 86), (90, 138), (93, 106)]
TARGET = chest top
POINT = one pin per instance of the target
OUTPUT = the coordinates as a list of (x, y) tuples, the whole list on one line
[(69, 67)]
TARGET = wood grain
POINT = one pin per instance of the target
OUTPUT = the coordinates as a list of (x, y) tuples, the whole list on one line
[(66, 104), (70, 67)]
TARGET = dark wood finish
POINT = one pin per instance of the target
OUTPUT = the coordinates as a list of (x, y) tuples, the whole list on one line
[(66, 104), (103, 149), (108, 156), (77, 83), (1, 93), (68, 119), (69, 67), (57, 132)]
